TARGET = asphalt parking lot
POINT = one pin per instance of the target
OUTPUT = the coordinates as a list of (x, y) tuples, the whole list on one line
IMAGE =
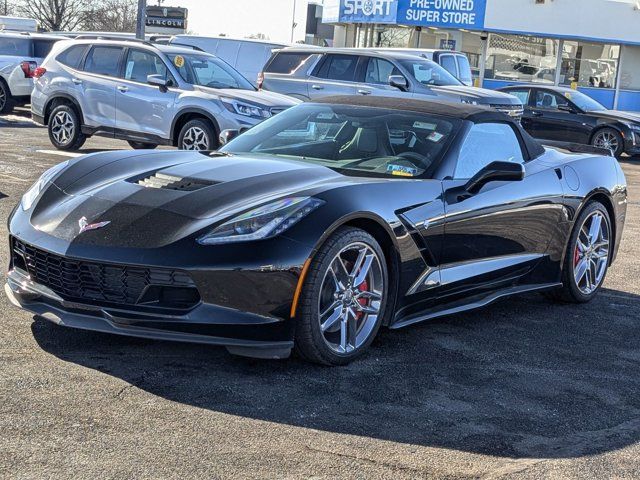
[(523, 389)]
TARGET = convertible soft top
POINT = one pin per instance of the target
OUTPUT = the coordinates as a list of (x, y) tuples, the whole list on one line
[(472, 113)]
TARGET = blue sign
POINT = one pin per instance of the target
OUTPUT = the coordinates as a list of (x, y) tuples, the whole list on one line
[(447, 44), (368, 11), (443, 13)]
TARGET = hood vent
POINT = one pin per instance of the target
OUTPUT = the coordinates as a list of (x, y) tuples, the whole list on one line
[(171, 182)]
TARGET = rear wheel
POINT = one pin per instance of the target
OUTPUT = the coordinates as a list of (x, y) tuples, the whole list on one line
[(142, 145), (6, 101), (343, 299), (588, 254), (64, 129), (609, 139), (197, 135)]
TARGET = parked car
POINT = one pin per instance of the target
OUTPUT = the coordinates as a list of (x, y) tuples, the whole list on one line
[(567, 115), (247, 56), (315, 228), (146, 94), (311, 73), (456, 63), (20, 56)]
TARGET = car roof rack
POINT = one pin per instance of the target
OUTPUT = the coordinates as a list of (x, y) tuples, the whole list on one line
[(112, 38)]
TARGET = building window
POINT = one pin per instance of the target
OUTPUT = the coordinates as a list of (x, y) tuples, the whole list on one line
[(520, 58), (589, 64), (630, 73)]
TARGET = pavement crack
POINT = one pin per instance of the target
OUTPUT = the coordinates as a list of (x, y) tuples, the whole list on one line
[(122, 391)]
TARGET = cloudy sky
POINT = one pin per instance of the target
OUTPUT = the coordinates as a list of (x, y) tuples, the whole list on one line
[(240, 18)]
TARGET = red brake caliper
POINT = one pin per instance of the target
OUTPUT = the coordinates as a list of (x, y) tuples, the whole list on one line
[(576, 256), (364, 286)]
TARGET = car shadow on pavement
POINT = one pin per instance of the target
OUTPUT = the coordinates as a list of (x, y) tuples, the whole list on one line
[(525, 378)]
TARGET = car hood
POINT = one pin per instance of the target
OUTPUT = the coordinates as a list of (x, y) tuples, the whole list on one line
[(154, 199), (482, 96), (633, 117), (259, 97)]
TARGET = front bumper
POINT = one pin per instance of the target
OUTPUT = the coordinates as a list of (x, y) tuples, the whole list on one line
[(241, 333)]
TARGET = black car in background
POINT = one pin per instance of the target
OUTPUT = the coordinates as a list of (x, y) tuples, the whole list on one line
[(566, 115)]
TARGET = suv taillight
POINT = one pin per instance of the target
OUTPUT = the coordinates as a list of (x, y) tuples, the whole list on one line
[(38, 72), (260, 80), (28, 68)]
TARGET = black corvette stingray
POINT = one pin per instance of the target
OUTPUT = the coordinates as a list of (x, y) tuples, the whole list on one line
[(315, 228)]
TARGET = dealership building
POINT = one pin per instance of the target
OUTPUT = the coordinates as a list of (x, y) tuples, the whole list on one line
[(591, 45)]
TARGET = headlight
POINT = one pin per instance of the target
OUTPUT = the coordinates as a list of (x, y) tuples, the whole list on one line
[(240, 108), (30, 197), (262, 222)]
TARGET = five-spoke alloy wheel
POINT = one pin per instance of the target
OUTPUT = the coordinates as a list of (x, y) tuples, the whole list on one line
[(65, 129), (197, 135), (609, 139)]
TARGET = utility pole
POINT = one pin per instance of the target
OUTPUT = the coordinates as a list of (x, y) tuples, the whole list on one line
[(293, 21), (142, 5)]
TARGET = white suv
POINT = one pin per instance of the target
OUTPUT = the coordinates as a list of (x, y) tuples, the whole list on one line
[(20, 55)]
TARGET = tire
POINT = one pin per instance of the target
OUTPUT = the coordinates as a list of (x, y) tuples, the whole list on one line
[(65, 129), (352, 319), (609, 139), (198, 135), (597, 259), (6, 100), (142, 145)]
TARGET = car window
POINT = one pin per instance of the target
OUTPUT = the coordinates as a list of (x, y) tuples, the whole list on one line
[(339, 67), (523, 95), (379, 71), (486, 143), (15, 47), (103, 61), (287, 63), (141, 64), (464, 69), (72, 56), (549, 100), (208, 71), (41, 48), (448, 62), (429, 73)]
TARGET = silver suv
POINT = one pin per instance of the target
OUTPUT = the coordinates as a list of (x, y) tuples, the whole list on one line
[(20, 56), (309, 73), (146, 94)]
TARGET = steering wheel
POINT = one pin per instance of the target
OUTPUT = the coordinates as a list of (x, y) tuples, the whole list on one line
[(415, 157)]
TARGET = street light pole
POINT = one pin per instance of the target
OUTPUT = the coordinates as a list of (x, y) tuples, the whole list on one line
[(293, 21), (142, 5)]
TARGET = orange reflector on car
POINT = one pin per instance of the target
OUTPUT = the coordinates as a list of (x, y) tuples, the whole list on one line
[(296, 295)]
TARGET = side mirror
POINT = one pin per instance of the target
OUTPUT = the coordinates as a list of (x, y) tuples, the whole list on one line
[(159, 81), (227, 135), (495, 172), (399, 82)]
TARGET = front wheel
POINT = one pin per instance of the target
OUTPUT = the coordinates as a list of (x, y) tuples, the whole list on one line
[(609, 139), (197, 135), (343, 299), (588, 253), (64, 129)]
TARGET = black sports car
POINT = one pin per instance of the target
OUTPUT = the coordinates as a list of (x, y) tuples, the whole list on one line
[(315, 228), (566, 115)]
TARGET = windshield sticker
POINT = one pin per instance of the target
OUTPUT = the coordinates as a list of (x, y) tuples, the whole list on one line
[(325, 116), (568, 95), (424, 125), (178, 61), (401, 170), (435, 137)]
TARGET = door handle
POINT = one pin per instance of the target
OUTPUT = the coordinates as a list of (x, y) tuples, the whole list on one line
[(317, 87), (123, 89), (77, 81), (364, 92), (536, 114)]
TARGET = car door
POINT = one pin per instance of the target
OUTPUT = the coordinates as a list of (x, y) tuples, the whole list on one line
[(141, 107), (96, 85), (554, 117), (524, 95), (373, 77), (500, 233), (334, 75)]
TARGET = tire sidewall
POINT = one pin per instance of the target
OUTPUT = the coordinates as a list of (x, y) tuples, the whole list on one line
[(204, 125), (569, 266), (8, 104), (313, 283), (77, 139)]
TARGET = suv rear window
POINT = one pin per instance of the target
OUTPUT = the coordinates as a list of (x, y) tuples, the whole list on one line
[(286, 62), (103, 61), (41, 48), (338, 67), (71, 57), (15, 47)]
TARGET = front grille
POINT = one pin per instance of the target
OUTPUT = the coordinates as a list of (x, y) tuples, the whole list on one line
[(514, 111), (94, 282)]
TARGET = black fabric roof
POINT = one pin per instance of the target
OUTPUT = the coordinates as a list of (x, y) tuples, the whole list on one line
[(463, 111)]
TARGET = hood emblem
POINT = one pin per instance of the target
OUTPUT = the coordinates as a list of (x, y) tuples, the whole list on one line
[(85, 226)]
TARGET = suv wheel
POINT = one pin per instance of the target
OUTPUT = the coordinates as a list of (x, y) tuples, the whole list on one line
[(64, 129), (197, 135), (142, 145), (6, 102)]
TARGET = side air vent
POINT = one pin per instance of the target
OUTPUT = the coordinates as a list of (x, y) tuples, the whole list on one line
[(171, 182)]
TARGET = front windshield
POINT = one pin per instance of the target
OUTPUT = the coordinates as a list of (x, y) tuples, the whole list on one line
[(208, 71), (429, 73), (584, 102), (359, 141)]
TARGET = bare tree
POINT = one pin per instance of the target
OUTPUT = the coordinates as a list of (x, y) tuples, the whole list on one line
[(111, 16), (55, 15), (6, 8)]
